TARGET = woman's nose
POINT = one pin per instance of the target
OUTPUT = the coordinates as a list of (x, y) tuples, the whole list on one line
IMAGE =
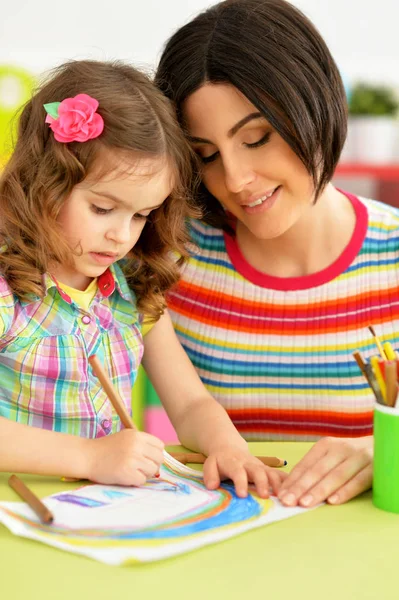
[(238, 175)]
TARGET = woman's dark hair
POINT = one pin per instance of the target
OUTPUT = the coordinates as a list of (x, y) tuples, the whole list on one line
[(273, 54)]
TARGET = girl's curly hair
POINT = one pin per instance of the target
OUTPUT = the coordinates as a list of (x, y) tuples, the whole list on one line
[(139, 122)]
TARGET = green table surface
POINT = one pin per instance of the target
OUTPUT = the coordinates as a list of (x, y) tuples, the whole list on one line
[(333, 552)]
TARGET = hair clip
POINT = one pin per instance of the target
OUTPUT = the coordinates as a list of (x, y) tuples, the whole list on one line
[(74, 119)]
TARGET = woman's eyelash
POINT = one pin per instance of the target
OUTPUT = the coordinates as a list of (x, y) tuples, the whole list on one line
[(100, 211), (140, 217), (263, 140), (209, 159)]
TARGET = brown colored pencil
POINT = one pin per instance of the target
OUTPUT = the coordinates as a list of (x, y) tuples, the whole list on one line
[(111, 392), (117, 403), (391, 382), (44, 514), (196, 458), (359, 359)]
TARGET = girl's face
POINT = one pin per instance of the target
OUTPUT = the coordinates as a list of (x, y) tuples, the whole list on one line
[(247, 165), (102, 219)]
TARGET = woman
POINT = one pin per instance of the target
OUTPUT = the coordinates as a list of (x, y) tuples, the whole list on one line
[(288, 272)]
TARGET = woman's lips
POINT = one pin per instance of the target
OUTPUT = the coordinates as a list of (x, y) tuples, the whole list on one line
[(265, 205)]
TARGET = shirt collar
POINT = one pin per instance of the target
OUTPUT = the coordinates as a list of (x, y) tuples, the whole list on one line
[(110, 280)]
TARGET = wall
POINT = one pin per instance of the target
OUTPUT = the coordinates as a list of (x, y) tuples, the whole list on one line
[(362, 34)]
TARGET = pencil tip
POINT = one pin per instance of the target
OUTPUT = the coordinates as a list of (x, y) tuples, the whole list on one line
[(372, 330), (285, 463)]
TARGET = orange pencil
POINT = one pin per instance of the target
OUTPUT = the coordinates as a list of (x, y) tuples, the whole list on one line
[(44, 514)]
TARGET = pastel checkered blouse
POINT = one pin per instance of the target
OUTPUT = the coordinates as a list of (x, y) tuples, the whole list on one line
[(45, 378)]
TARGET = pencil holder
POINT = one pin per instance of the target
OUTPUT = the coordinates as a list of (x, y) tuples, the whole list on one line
[(386, 458)]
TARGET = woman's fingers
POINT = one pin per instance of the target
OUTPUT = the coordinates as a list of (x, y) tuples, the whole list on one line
[(317, 478), (315, 454), (359, 483), (334, 480)]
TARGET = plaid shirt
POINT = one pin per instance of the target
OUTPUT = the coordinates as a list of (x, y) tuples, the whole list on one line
[(45, 378)]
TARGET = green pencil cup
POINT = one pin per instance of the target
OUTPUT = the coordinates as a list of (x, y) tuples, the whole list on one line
[(386, 458)]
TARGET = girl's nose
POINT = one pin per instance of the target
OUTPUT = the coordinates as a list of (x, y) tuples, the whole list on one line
[(120, 233)]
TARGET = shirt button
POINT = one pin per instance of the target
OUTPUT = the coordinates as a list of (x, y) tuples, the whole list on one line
[(106, 425), (86, 319)]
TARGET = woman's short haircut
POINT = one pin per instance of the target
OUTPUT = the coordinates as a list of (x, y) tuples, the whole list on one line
[(275, 56)]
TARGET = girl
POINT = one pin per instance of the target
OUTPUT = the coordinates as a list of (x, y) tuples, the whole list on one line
[(288, 272), (92, 202)]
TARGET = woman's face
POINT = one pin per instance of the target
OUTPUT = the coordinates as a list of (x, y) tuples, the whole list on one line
[(246, 164)]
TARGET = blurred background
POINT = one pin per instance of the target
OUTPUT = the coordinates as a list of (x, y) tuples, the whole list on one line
[(361, 34)]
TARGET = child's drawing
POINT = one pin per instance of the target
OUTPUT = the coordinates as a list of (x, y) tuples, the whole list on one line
[(167, 516)]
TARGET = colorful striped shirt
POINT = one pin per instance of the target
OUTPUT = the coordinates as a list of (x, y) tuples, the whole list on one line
[(45, 378), (277, 352)]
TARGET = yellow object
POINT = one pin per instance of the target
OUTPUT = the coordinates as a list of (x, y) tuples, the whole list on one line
[(146, 327), (16, 86), (378, 375), (81, 298), (389, 351)]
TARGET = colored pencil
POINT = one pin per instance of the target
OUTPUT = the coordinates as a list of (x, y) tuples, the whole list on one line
[(197, 458), (378, 375), (359, 359), (391, 382), (374, 384), (117, 403), (369, 376), (44, 514), (389, 351), (377, 342)]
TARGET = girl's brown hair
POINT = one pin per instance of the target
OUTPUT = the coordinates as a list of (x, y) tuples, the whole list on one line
[(138, 121), (273, 54)]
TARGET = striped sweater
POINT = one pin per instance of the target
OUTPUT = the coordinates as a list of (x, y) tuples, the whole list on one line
[(277, 352)]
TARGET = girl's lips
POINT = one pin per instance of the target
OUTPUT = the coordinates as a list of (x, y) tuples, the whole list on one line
[(103, 259), (266, 204)]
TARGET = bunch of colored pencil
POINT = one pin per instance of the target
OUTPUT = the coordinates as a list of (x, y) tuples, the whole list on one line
[(382, 372)]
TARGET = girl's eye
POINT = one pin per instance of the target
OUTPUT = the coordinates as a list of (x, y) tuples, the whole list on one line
[(140, 217), (263, 140), (100, 211)]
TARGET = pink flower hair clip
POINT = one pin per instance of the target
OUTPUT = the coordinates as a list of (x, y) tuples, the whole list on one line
[(74, 119)]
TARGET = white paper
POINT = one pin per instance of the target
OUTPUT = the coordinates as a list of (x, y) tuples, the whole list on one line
[(169, 515)]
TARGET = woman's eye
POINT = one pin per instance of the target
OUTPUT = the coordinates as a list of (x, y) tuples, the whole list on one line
[(263, 140), (208, 159), (100, 211), (140, 217)]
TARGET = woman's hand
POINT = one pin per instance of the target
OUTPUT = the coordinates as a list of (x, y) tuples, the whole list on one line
[(242, 468), (125, 458), (335, 470)]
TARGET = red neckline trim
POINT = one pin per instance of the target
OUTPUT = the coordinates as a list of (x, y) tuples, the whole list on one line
[(307, 281), (105, 283)]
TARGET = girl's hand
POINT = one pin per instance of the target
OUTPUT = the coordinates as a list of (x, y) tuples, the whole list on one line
[(335, 470), (242, 468), (125, 458)]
